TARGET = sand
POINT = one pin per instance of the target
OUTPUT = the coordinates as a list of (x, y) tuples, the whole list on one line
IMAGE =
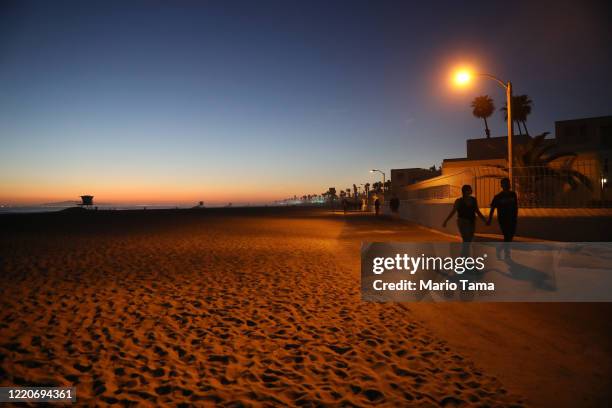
[(252, 307)]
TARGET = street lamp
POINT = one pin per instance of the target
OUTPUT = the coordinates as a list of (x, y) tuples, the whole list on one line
[(383, 174), (464, 76)]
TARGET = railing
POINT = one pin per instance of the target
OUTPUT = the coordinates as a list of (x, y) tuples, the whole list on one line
[(436, 192), (581, 185), (439, 188)]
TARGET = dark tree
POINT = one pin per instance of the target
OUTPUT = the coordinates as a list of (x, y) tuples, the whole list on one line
[(483, 108), (521, 108)]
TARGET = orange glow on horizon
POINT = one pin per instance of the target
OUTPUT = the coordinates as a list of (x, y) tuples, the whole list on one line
[(149, 194)]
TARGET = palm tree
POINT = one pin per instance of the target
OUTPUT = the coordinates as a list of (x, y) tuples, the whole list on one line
[(536, 170), (521, 108), (483, 108), (541, 174), (537, 153), (524, 110), (331, 194), (387, 185)]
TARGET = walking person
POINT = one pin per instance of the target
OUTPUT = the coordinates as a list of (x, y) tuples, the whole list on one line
[(377, 205), (506, 203), (466, 208)]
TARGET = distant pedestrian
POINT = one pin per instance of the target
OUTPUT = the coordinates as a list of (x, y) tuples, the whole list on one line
[(466, 208), (377, 206), (344, 205), (506, 203)]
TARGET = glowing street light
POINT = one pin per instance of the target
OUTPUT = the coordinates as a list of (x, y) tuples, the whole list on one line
[(383, 174), (463, 77)]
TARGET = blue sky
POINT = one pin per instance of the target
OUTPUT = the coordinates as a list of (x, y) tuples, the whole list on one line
[(254, 101)]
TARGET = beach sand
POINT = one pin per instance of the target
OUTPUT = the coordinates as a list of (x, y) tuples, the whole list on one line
[(261, 307)]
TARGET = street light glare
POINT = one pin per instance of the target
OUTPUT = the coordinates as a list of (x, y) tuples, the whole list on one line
[(462, 77)]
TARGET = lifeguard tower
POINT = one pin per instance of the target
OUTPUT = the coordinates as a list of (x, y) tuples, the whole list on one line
[(86, 201)]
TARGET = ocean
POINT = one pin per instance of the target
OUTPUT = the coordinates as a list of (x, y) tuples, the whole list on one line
[(41, 209)]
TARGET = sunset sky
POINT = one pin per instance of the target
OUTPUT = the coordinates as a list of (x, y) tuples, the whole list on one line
[(175, 102)]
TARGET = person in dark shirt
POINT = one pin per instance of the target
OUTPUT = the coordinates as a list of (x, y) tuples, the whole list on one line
[(506, 203), (466, 208), (377, 205)]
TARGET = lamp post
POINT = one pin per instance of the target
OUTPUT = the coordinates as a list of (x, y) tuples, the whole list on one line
[(463, 77), (383, 174)]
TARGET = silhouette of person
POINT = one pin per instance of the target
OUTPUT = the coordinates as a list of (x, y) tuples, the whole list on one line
[(377, 205), (344, 205), (466, 208), (506, 203)]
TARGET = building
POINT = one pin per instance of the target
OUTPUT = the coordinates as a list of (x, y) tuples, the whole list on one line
[(582, 179), (588, 134), (483, 152), (590, 138), (400, 178)]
